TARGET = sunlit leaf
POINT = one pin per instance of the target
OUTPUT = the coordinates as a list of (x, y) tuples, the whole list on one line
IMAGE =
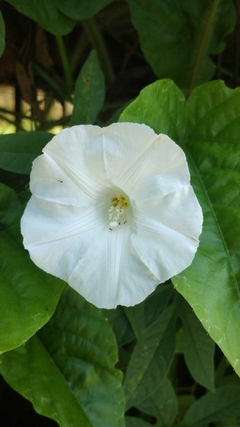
[(89, 92), (208, 129), (67, 371)]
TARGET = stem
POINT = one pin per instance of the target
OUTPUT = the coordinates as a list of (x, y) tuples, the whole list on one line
[(77, 54), (204, 43), (65, 62), (98, 43), (41, 72)]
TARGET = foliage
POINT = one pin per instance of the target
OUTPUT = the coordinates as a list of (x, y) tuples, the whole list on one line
[(210, 139), (172, 37), (174, 359)]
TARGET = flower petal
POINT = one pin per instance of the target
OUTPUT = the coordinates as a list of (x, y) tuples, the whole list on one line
[(123, 145), (161, 169), (96, 262), (57, 235), (74, 150), (51, 183), (110, 274), (178, 210), (164, 251)]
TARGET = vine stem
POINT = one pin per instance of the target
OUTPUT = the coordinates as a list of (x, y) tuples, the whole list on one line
[(65, 63), (46, 76), (204, 43), (98, 43)]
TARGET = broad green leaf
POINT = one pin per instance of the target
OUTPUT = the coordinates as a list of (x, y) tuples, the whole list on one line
[(46, 14), (198, 348), (2, 34), (10, 207), (162, 404), (162, 101), (209, 132), (120, 325), (218, 406), (144, 314), (28, 296), (67, 371), (151, 358), (178, 37), (89, 92), (156, 303), (80, 10), (18, 150)]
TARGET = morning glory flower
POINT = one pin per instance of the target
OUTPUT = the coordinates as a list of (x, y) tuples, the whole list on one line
[(112, 212)]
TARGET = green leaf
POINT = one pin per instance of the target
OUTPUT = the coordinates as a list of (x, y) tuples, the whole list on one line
[(136, 422), (144, 314), (68, 371), (18, 150), (28, 296), (178, 37), (218, 406), (89, 92), (10, 207), (198, 348), (80, 10), (120, 325), (151, 358), (162, 404), (46, 14), (210, 136), (162, 100), (2, 34)]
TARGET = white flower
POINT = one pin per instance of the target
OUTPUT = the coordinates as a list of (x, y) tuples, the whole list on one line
[(112, 212)]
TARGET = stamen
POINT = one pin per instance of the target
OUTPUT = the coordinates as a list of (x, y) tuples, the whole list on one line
[(116, 209)]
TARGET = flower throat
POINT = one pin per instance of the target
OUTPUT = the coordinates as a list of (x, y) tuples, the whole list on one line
[(116, 210)]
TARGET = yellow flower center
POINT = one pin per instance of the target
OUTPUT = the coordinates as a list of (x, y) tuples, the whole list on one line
[(119, 204)]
